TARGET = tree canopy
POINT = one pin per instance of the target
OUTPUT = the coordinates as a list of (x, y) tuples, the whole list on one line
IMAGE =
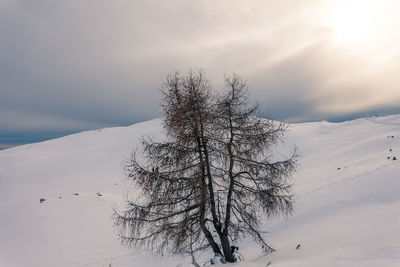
[(210, 182)]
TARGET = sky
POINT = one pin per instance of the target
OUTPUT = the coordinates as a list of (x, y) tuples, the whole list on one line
[(69, 66)]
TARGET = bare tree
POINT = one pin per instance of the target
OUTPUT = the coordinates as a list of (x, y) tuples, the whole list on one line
[(254, 183), (210, 181)]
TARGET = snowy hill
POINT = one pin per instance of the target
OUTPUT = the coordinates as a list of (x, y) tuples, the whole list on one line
[(347, 187)]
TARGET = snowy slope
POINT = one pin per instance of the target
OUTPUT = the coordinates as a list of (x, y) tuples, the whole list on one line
[(344, 217)]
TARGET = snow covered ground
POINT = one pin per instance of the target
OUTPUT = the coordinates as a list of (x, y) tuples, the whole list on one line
[(347, 187)]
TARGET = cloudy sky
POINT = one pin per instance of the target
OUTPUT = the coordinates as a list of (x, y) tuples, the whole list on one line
[(72, 65)]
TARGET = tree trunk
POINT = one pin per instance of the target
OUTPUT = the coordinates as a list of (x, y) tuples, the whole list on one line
[(210, 240), (226, 247)]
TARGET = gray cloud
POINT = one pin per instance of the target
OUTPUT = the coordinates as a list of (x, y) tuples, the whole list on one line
[(72, 65)]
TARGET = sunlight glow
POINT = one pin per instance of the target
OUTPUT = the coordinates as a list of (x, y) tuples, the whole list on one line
[(353, 21)]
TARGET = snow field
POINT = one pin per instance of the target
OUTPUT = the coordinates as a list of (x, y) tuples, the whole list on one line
[(347, 191)]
